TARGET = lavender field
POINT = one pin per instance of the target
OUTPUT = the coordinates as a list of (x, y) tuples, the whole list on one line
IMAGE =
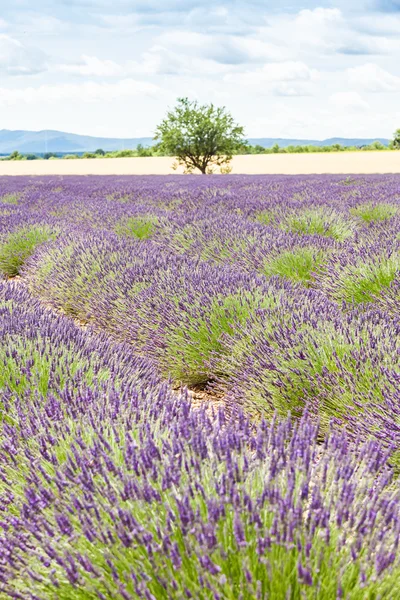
[(200, 388)]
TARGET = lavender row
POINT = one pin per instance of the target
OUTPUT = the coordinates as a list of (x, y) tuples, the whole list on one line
[(137, 495), (279, 293), (267, 344)]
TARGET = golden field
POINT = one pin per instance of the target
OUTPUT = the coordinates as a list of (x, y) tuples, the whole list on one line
[(268, 164)]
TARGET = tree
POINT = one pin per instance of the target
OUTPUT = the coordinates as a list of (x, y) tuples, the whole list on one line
[(378, 145), (100, 152), (199, 136), (143, 152), (396, 140), (258, 149)]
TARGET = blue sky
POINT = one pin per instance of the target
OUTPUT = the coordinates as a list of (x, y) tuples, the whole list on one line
[(112, 67)]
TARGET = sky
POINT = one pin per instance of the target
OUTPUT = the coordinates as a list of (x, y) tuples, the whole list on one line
[(294, 69)]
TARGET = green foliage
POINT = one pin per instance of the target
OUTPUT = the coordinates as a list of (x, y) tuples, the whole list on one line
[(71, 156), (49, 371), (372, 213), (138, 227), (15, 156), (297, 265), (48, 155), (377, 146), (31, 157), (89, 155), (321, 222), (21, 244), (200, 137), (309, 148), (100, 152), (121, 154), (396, 140), (349, 181), (123, 198), (265, 217), (331, 560), (317, 362), (143, 152), (258, 149), (94, 268), (364, 281), (10, 198), (192, 344)]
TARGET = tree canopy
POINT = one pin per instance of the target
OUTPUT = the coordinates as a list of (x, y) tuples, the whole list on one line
[(396, 139), (199, 136)]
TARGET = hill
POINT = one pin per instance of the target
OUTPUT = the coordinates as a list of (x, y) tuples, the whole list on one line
[(59, 141), (283, 142)]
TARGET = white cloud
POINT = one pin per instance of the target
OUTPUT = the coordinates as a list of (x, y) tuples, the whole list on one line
[(317, 18), (253, 50), (303, 67), (162, 61), (17, 59), (288, 78), (291, 89), (91, 66), (297, 122), (271, 72), (39, 24), (86, 92), (122, 23), (372, 78), (379, 24), (308, 29), (156, 61), (348, 101), (226, 49), (325, 31)]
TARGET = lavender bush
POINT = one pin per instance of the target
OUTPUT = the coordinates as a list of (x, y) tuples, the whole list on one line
[(277, 296), (148, 498)]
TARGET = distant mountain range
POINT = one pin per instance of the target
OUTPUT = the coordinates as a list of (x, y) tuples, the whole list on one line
[(59, 141), (283, 142)]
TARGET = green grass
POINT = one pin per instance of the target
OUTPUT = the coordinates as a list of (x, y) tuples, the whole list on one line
[(319, 221), (10, 198), (72, 296), (124, 198), (93, 267), (365, 281), (374, 213), (305, 373), (20, 245), (333, 372), (218, 247), (297, 265), (30, 364), (273, 572), (266, 217), (140, 228), (192, 344)]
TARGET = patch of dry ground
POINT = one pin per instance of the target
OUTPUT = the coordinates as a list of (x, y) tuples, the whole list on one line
[(268, 164)]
